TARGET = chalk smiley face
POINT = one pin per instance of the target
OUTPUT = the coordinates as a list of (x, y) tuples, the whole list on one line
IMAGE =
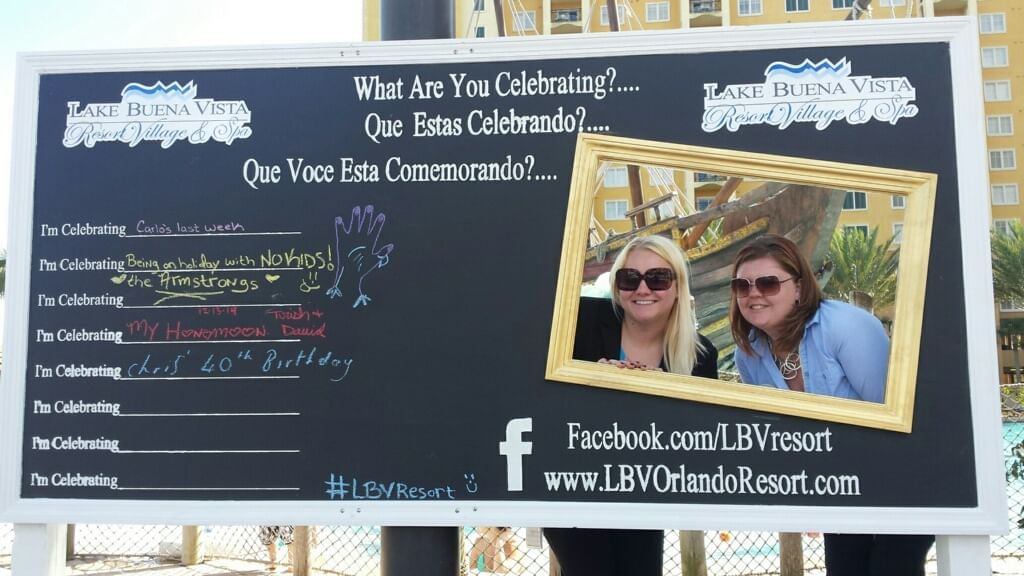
[(471, 486)]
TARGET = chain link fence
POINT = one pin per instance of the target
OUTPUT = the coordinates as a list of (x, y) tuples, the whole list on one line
[(6, 544), (355, 550), (1012, 544)]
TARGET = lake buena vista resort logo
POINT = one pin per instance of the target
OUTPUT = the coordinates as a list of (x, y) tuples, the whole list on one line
[(164, 113), (820, 92)]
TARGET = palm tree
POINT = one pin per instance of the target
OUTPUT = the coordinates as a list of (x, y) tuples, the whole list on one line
[(861, 264), (1008, 264), (1008, 280)]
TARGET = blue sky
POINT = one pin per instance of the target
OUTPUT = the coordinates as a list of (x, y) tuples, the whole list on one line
[(59, 25)]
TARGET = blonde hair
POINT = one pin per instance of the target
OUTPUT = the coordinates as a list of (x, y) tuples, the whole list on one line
[(681, 342)]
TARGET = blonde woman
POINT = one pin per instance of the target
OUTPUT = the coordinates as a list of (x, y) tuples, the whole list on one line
[(649, 324)]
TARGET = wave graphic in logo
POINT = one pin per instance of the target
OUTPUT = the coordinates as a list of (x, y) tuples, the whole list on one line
[(173, 90), (822, 69)]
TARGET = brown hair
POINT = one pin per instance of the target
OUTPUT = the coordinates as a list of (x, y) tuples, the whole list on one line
[(786, 253)]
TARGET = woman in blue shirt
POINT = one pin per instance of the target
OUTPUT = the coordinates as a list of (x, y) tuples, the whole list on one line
[(789, 337)]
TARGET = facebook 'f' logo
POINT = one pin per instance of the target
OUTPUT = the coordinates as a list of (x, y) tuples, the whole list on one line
[(513, 448)]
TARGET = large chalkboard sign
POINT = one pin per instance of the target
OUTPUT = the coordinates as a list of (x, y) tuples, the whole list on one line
[(324, 279)]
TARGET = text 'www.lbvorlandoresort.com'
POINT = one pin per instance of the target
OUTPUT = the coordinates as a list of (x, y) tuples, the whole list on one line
[(685, 479)]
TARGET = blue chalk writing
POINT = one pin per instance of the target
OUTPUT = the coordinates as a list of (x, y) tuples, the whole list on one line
[(471, 485), (337, 365), (359, 241), (341, 488)]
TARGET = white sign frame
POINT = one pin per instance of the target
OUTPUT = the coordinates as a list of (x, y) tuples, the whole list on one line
[(988, 517)]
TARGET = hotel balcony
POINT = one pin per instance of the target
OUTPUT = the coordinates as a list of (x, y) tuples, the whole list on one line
[(948, 7), (705, 13), (566, 21)]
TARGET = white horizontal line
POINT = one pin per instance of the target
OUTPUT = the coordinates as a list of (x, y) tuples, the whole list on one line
[(155, 415), (210, 378), (208, 451), (216, 306), (188, 270), (210, 341), (208, 234), (193, 489)]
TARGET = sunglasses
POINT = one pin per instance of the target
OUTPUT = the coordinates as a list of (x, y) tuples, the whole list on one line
[(766, 285), (655, 278)]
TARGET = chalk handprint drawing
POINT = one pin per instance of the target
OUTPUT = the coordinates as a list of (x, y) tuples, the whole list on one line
[(358, 252)]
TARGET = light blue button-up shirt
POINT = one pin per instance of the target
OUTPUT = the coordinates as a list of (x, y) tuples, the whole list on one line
[(844, 353)]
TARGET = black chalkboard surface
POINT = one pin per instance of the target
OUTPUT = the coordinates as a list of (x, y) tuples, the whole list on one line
[(336, 283)]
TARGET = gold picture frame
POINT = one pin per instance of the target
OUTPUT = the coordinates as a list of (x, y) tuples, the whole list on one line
[(918, 190)]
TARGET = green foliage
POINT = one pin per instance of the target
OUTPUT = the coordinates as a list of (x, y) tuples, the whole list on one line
[(860, 263), (1008, 264)]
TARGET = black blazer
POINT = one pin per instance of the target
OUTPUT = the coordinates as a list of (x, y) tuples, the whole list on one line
[(599, 335)]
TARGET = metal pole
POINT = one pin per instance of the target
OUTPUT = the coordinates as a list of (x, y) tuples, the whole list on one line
[(419, 551), (404, 550), (417, 19)]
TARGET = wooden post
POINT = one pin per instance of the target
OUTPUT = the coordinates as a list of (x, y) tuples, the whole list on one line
[(636, 193), (499, 14), (190, 555), (692, 557), (613, 15), (70, 553), (724, 193), (299, 553), (791, 554)]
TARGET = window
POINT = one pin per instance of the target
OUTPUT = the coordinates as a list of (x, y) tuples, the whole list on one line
[(478, 5), (659, 176), (855, 201), (1003, 225), (620, 10), (891, 3), (899, 202), (797, 6), (1000, 125), (1002, 159), (615, 209), (566, 15), (749, 7), (705, 6), (855, 229), (1005, 194), (897, 232), (997, 91), (481, 32), (705, 177), (839, 4), (1011, 307), (616, 177), (657, 11), (992, 23), (524, 21), (995, 57)]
